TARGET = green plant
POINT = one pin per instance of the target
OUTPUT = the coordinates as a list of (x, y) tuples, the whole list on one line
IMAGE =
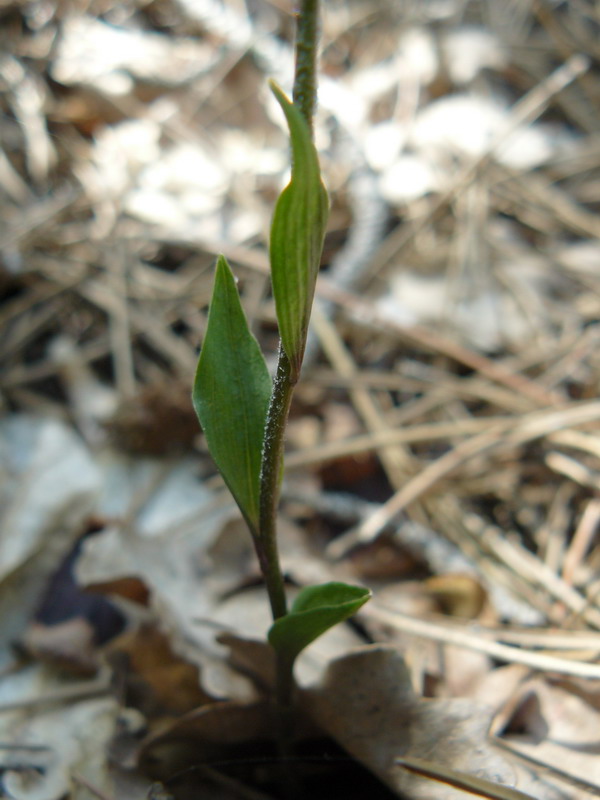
[(242, 411)]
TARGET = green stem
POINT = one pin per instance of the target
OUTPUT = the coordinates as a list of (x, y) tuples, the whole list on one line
[(266, 544), (304, 95), (305, 79)]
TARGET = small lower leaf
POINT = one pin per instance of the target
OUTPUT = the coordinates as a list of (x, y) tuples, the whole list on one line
[(315, 610), (231, 394)]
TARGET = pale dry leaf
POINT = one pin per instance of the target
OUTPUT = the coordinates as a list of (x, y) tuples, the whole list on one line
[(181, 188), (469, 124), (500, 684), (105, 56), (170, 521), (417, 55), (49, 479), (469, 50), (49, 486), (367, 704), (463, 670), (383, 144), (409, 177), (118, 154), (487, 320), (556, 726), (58, 739)]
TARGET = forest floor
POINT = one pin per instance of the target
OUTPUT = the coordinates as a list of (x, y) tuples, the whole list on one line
[(444, 442)]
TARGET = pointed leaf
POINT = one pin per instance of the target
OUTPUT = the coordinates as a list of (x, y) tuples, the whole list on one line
[(297, 233), (231, 394), (315, 610)]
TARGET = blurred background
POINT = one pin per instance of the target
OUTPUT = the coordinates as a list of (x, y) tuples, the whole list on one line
[(443, 444)]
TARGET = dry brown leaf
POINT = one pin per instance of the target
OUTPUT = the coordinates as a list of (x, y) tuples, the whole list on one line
[(151, 677), (49, 486)]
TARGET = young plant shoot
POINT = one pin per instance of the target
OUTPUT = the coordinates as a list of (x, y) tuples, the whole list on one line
[(243, 412)]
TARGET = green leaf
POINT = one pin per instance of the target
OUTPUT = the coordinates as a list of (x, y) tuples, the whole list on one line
[(315, 610), (231, 394), (297, 233)]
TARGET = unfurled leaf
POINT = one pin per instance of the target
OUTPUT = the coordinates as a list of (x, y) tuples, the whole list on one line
[(231, 394), (297, 233), (315, 610)]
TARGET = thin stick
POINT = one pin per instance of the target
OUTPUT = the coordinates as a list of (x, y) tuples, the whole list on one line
[(461, 638), (531, 427), (68, 694)]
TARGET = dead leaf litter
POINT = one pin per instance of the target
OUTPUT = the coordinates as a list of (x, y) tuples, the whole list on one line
[(443, 447)]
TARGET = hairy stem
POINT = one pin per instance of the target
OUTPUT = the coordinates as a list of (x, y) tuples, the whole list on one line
[(305, 79), (272, 460), (281, 397)]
